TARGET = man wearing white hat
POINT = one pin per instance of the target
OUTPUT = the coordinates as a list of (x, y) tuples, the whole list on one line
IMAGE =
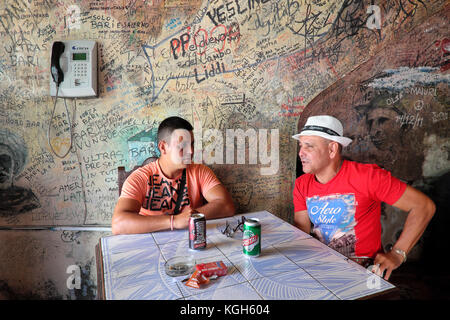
[(341, 199)]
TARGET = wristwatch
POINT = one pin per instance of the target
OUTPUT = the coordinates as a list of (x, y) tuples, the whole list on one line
[(400, 252)]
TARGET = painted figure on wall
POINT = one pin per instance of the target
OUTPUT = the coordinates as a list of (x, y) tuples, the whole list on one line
[(13, 199)]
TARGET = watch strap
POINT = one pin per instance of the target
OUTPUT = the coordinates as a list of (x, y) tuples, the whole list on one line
[(400, 252)]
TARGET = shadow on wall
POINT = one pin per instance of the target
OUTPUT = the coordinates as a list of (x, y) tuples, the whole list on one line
[(434, 239)]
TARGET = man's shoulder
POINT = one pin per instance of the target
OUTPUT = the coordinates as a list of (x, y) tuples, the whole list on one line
[(202, 176), (358, 170), (146, 169), (198, 167), (360, 166)]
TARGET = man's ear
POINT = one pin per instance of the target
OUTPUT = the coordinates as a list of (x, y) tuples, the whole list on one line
[(333, 149), (162, 146)]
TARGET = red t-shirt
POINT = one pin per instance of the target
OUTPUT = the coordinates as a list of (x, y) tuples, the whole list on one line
[(346, 211), (158, 194)]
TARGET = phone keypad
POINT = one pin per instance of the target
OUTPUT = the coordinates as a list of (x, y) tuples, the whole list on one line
[(80, 70)]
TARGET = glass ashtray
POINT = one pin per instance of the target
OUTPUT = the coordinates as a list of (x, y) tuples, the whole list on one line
[(179, 266)]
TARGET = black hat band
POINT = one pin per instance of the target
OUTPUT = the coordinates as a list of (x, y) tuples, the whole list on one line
[(321, 129)]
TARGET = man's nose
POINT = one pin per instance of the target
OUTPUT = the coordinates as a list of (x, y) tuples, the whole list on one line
[(301, 152), (188, 149)]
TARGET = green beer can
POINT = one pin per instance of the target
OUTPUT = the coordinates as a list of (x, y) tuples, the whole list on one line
[(251, 240)]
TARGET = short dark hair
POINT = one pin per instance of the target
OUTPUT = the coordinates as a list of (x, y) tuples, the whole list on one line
[(168, 125)]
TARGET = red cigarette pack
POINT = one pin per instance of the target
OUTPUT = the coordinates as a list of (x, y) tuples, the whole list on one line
[(212, 268)]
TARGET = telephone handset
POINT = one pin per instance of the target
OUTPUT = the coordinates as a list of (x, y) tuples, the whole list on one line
[(56, 71)]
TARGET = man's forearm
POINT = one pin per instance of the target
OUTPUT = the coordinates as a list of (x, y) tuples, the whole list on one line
[(130, 223), (301, 221), (217, 209), (414, 227), (305, 226), (420, 210)]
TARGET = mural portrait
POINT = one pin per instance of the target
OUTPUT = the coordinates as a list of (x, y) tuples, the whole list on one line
[(14, 199)]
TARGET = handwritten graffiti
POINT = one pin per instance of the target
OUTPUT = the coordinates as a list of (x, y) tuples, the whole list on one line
[(210, 72), (293, 108), (407, 9), (198, 41), (444, 46), (71, 236), (439, 116), (410, 119), (225, 12)]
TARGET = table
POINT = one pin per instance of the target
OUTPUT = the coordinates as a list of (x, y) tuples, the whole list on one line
[(292, 265)]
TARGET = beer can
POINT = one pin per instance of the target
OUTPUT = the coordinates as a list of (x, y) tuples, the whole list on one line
[(251, 240), (197, 231)]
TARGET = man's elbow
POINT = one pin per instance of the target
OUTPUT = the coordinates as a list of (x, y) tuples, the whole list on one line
[(115, 229), (116, 225), (227, 208), (427, 211), (431, 209)]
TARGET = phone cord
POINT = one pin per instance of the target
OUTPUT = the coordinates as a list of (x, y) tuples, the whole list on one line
[(50, 124)]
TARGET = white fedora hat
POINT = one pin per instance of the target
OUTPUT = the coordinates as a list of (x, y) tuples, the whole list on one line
[(327, 127)]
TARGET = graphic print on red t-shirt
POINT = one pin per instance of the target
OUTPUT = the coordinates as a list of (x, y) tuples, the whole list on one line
[(333, 217)]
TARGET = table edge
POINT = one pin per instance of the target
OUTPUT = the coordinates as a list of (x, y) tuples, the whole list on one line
[(100, 270)]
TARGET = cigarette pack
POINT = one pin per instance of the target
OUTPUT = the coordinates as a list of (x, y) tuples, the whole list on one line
[(197, 279), (212, 268)]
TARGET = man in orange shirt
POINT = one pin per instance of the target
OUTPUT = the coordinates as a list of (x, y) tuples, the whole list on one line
[(163, 194)]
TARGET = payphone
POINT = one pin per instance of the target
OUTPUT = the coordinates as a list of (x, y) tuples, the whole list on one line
[(73, 75), (74, 68)]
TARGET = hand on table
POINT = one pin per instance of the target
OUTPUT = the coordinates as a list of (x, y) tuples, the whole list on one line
[(181, 220), (386, 262)]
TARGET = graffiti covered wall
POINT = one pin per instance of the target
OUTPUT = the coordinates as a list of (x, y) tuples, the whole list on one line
[(245, 66)]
